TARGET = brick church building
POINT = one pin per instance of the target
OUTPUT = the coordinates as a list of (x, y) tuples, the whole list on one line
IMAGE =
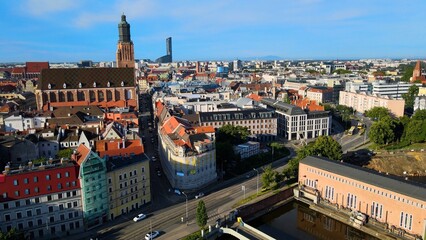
[(103, 87)]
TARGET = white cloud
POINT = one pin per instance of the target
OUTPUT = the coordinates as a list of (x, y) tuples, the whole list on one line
[(41, 8), (133, 9)]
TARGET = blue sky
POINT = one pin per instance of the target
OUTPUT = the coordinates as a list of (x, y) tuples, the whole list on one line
[(73, 30)]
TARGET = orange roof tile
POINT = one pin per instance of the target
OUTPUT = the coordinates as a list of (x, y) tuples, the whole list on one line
[(82, 153), (204, 129)]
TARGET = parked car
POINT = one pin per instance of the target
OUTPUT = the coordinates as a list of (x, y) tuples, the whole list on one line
[(178, 192), (199, 195), (152, 235), (154, 158), (250, 174), (159, 173), (139, 217)]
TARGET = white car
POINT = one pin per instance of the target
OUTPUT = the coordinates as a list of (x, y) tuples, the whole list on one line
[(139, 217), (152, 235), (199, 195)]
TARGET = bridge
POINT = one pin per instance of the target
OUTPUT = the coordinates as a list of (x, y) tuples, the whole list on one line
[(243, 231)]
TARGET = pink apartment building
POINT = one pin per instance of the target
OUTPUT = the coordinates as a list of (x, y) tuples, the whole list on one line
[(362, 102), (399, 203)]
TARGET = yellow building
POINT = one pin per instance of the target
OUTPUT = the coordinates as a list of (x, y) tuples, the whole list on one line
[(128, 182), (422, 91)]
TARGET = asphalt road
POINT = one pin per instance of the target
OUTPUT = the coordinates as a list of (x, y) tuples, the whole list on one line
[(168, 220)]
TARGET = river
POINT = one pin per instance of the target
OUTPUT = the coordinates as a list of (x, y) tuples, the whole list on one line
[(296, 221)]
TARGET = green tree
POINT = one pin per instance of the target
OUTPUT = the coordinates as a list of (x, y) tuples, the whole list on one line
[(324, 146), (12, 234), (327, 147), (381, 133), (65, 153), (234, 134), (407, 72), (419, 115), (201, 214), (409, 97), (269, 178), (342, 71), (416, 131), (376, 113)]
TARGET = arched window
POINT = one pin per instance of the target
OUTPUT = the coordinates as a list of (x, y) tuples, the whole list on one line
[(70, 97), (65, 85), (80, 96), (61, 97), (94, 84), (122, 83), (49, 86), (101, 96), (80, 85)]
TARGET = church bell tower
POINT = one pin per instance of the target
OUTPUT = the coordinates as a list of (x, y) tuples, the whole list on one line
[(125, 52)]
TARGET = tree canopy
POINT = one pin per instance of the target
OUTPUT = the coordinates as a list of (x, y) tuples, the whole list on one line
[(410, 97), (341, 71), (201, 214), (233, 134), (407, 71), (65, 153), (269, 178), (324, 146), (12, 234), (382, 132), (377, 113)]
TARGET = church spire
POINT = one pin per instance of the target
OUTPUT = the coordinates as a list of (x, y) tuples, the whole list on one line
[(124, 30), (125, 53)]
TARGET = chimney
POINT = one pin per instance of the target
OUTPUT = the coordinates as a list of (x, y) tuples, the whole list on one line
[(30, 165), (6, 169)]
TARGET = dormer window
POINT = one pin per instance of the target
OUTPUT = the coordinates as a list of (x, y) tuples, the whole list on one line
[(65, 85), (122, 83), (80, 85), (108, 84), (94, 84), (49, 86)]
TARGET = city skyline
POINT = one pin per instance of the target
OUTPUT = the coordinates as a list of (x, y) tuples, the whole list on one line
[(74, 30)]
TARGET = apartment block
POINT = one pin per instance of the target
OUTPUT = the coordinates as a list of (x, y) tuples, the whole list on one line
[(262, 123), (362, 102), (44, 201)]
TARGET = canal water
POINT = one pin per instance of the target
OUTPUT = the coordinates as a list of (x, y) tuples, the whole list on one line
[(296, 221)]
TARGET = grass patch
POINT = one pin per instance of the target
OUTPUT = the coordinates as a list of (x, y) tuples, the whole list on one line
[(250, 198), (195, 235)]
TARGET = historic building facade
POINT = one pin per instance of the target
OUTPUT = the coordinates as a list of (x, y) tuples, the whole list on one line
[(44, 201), (125, 52), (103, 87), (398, 203)]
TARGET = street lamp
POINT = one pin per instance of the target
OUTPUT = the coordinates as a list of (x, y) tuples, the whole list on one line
[(244, 190), (186, 207), (257, 181)]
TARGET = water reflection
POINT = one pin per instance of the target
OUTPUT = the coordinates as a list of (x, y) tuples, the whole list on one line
[(297, 221)]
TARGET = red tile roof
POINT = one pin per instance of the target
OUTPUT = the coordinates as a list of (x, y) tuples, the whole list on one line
[(115, 147), (81, 155), (36, 67)]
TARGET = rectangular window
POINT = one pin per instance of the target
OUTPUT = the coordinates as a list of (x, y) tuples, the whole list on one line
[(48, 177), (36, 189), (67, 174), (26, 180), (58, 175), (38, 211), (50, 209), (17, 193), (18, 215), (29, 213), (15, 182), (27, 191)]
